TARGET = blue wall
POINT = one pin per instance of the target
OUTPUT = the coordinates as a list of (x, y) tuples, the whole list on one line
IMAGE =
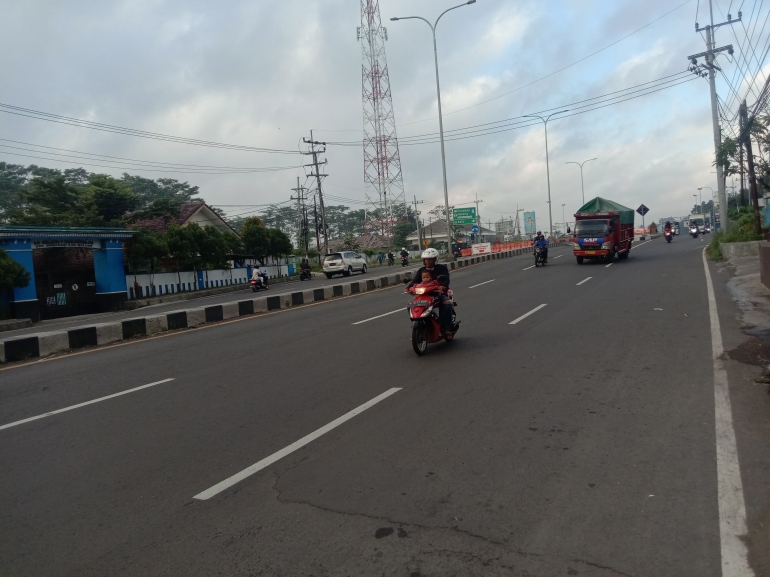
[(21, 252), (108, 268)]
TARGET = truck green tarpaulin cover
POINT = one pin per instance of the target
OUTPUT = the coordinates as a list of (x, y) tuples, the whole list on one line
[(600, 204)]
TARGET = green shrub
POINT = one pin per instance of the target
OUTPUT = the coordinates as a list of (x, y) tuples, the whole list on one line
[(714, 249)]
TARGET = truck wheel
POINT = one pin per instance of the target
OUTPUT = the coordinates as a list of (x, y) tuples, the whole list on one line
[(624, 255), (611, 256), (579, 259)]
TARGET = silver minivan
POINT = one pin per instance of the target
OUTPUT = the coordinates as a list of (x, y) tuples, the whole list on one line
[(344, 263)]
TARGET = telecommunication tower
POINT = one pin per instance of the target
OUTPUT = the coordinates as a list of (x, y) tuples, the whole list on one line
[(384, 185)]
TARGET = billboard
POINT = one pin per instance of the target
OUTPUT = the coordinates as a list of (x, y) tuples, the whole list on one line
[(530, 225)]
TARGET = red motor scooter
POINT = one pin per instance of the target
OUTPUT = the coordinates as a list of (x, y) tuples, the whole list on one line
[(424, 312)]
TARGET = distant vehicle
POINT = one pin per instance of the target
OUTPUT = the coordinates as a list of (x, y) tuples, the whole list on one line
[(540, 256), (700, 220), (603, 229), (344, 263)]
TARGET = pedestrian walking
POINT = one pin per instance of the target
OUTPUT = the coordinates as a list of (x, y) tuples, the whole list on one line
[(380, 257)]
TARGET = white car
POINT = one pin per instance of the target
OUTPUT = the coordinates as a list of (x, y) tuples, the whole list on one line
[(344, 263)]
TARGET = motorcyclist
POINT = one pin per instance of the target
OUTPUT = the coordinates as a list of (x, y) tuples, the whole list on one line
[(256, 275), (391, 258), (667, 228), (543, 244), (304, 267), (404, 253), (439, 273)]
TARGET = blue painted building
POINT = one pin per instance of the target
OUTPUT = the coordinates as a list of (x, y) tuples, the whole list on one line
[(107, 290)]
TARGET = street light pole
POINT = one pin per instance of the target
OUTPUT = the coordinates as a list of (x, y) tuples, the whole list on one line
[(563, 220), (547, 168), (580, 164), (440, 117)]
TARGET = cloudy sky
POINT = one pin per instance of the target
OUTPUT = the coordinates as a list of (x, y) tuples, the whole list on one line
[(263, 74)]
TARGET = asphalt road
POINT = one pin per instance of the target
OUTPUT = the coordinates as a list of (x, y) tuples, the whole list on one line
[(578, 441)]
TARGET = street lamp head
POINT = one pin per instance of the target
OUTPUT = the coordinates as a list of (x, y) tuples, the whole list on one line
[(471, 2), (393, 19)]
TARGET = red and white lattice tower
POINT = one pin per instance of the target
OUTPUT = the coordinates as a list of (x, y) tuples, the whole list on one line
[(384, 184)]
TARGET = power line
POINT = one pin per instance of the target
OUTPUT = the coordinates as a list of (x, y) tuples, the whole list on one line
[(520, 124), (556, 71), (77, 122)]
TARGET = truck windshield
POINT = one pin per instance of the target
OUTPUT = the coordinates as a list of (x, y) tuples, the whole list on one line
[(591, 228)]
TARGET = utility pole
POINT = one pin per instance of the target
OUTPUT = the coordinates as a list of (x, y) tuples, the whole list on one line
[(415, 202), (710, 57), (315, 164), (317, 240), (742, 199), (746, 129), (301, 214)]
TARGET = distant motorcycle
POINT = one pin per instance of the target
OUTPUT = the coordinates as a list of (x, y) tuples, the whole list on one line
[(694, 232), (540, 258), (404, 261), (305, 274), (260, 283), (669, 235)]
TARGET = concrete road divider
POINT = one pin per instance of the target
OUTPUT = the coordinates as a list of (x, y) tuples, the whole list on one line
[(99, 334)]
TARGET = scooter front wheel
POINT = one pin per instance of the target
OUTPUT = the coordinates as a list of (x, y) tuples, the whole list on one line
[(420, 340)]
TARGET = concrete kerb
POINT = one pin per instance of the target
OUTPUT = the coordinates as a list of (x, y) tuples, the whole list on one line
[(230, 311), (48, 343)]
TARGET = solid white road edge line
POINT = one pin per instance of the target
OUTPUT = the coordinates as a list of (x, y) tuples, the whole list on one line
[(584, 280), (732, 507), (9, 425), (229, 482), (380, 316), (609, 265), (481, 283), (529, 267), (522, 317)]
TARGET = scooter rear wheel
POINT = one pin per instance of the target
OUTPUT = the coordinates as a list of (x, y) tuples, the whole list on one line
[(420, 340)]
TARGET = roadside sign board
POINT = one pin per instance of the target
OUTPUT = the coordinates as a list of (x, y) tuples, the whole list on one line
[(475, 229), (642, 210), (530, 224), (464, 215), (425, 243)]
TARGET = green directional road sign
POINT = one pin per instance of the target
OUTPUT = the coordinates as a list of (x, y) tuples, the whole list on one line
[(464, 215)]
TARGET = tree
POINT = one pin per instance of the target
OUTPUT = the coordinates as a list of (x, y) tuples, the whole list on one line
[(401, 231), (13, 178), (12, 274), (145, 249), (280, 245), (111, 198), (213, 250), (255, 238), (53, 201), (349, 242), (148, 191), (181, 248)]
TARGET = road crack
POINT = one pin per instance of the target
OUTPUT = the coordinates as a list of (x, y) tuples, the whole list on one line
[(485, 561)]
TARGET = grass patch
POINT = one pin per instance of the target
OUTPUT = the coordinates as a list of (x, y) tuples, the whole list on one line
[(714, 249)]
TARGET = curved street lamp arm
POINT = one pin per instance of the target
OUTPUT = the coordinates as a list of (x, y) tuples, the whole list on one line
[(412, 18), (452, 8)]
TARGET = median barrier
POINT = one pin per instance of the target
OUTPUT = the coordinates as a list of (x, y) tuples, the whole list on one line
[(100, 334)]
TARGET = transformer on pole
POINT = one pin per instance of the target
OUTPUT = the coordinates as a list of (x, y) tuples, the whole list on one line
[(384, 185)]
